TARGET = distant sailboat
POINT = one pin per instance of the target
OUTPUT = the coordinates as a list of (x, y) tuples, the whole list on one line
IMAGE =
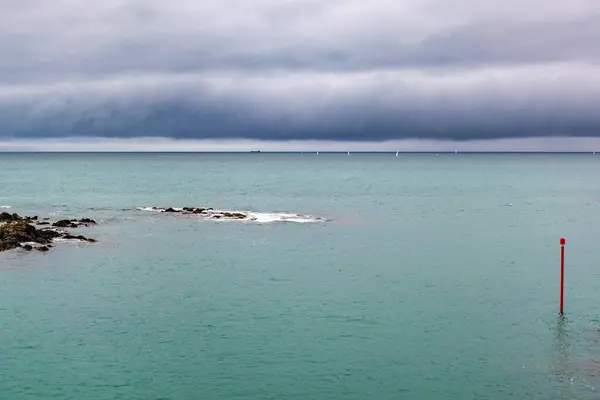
[(348, 153), (455, 151), (397, 153)]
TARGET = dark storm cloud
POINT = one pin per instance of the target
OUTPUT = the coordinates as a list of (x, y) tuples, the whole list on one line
[(304, 69)]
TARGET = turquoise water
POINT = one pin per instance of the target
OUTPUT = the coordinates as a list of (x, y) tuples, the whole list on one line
[(434, 278)]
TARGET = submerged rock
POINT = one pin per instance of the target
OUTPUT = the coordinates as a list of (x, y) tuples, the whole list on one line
[(79, 237)]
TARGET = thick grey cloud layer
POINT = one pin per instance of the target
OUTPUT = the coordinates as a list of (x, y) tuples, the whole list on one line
[(300, 69)]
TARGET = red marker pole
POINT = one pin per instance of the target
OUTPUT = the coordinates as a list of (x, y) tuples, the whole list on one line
[(562, 273)]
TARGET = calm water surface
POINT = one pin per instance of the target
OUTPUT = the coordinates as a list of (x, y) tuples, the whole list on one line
[(435, 278)]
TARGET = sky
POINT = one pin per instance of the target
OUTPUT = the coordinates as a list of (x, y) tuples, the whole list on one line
[(300, 75)]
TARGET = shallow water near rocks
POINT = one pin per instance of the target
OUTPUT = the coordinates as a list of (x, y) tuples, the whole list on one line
[(432, 277)]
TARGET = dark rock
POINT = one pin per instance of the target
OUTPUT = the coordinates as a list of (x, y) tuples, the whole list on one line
[(48, 235), (6, 217), (79, 237), (234, 215), (184, 210), (64, 223), (203, 210), (13, 233), (73, 223), (16, 230), (72, 237)]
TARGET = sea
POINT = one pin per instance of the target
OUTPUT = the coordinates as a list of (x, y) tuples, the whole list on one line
[(360, 276)]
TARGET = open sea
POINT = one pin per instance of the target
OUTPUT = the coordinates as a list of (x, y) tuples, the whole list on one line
[(364, 276)]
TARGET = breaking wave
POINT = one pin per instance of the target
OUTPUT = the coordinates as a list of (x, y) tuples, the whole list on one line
[(5, 207), (240, 215), (264, 217)]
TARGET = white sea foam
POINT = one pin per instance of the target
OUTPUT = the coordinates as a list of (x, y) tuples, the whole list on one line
[(263, 217), (149, 209), (252, 216), (29, 243), (65, 240), (157, 209), (5, 207)]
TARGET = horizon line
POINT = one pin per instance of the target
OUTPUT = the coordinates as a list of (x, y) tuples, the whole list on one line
[(254, 152), (242, 146)]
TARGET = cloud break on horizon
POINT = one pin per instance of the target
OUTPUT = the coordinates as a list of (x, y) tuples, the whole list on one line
[(300, 74)]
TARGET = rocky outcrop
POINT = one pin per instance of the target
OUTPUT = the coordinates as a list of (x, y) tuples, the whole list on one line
[(64, 223), (79, 237), (6, 217), (234, 215), (184, 210), (18, 232), (196, 210), (74, 223), (206, 212), (13, 233)]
